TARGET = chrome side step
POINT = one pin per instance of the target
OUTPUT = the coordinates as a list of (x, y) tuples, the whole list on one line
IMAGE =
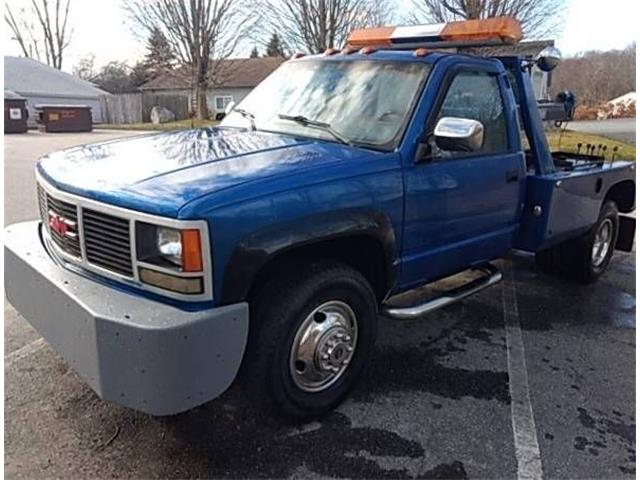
[(493, 276)]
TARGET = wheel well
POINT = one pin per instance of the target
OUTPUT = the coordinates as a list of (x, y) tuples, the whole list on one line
[(624, 195), (362, 252)]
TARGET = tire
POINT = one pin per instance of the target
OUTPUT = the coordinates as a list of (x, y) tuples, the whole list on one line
[(321, 299), (582, 260)]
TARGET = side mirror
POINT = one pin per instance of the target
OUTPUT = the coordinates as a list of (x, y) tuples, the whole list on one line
[(459, 134), (548, 59), (229, 108)]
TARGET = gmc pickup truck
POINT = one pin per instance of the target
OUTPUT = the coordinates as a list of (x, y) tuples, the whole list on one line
[(166, 266)]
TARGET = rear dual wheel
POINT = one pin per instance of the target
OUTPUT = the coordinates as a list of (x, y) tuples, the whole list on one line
[(586, 258)]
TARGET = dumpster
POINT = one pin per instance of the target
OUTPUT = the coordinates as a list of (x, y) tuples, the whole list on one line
[(15, 113), (64, 118)]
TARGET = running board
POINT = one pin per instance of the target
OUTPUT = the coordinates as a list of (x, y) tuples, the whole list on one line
[(493, 276)]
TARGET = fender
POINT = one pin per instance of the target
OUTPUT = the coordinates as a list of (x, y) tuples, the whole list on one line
[(256, 250)]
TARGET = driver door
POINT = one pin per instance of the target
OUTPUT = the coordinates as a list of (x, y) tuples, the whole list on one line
[(462, 208)]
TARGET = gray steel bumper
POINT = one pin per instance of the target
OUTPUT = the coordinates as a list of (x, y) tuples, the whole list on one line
[(131, 350)]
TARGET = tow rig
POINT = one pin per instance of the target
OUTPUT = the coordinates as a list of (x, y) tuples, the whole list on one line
[(166, 266)]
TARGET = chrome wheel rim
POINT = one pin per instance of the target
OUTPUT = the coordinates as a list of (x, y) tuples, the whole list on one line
[(323, 346), (601, 243)]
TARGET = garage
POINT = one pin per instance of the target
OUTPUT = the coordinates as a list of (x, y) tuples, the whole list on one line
[(41, 84)]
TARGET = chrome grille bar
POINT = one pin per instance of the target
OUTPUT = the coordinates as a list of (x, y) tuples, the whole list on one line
[(107, 241), (64, 213)]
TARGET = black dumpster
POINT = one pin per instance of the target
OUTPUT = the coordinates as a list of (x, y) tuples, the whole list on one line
[(15, 113), (64, 118)]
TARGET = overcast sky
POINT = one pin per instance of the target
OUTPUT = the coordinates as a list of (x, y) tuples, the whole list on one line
[(100, 27)]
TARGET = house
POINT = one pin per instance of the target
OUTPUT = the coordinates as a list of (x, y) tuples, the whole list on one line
[(42, 84), (233, 79)]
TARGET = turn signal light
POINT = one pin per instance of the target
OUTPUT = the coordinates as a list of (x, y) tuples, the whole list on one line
[(191, 254)]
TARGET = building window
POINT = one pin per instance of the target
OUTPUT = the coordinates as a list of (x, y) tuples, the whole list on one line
[(221, 102)]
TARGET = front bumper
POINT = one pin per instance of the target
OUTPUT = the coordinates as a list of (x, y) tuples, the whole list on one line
[(131, 350)]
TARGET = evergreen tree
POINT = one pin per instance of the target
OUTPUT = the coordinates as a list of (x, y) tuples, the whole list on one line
[(275, 47), (254, 53), (160, 57), (139, 74)]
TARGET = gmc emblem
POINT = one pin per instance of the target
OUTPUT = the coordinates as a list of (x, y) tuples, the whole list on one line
[(59, 224)]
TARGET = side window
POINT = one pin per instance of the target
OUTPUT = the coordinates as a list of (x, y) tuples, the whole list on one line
[(476, 95)]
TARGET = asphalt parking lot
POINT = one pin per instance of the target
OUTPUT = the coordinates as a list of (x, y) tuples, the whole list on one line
[(533, 377), (623, 129)]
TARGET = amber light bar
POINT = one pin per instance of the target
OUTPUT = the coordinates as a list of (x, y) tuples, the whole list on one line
[(491, 31)]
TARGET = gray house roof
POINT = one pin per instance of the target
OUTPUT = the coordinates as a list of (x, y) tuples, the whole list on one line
[(30, 77), (9, 95)]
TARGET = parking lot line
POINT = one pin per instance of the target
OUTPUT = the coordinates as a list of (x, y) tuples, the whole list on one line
[(524, 426), (23, 352)]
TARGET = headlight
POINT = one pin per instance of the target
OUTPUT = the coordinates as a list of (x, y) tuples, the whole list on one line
[(171, 248), (169, 244)]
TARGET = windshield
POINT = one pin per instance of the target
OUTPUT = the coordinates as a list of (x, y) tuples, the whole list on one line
[(364, 103)]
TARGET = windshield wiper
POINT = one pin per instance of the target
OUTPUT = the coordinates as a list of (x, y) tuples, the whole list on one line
[(307, 122), (248, 115)]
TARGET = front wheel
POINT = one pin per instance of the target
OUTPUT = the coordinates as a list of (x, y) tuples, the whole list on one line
[(311, 334)]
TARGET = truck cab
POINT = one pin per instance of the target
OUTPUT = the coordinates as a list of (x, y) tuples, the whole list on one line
[(165, 267)]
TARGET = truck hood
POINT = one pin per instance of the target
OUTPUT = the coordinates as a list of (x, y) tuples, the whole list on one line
[(160, 173)]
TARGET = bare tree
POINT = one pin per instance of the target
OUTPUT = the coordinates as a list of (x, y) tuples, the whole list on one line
[(22, 32), (200, 32), (85, 68), (539, 18), (590, 75), (315, 25), (41, 29)]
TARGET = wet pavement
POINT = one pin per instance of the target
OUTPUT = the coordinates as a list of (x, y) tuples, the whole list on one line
[(436, 401), (617, 128)]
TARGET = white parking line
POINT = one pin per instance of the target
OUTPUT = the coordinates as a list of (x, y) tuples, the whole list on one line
[(524, 426), (23, 352)]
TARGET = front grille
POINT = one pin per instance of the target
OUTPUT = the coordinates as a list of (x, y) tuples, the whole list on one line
[(66, 213), (107, 242), (42, 204)]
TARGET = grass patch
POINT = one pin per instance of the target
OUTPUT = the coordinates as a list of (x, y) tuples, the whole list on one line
[(180, 124), (569, 140)]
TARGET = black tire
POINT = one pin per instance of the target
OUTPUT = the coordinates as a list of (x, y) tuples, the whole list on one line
[(278, 310), (577, 256)]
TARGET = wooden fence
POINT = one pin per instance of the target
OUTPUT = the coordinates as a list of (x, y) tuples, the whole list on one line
[(127, 108)]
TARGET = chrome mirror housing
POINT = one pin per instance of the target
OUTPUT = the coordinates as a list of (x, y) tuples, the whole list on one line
[(229, 108), (459, 134), (548, 59)]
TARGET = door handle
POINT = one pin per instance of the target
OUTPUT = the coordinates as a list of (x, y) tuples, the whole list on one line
[(512, 176)]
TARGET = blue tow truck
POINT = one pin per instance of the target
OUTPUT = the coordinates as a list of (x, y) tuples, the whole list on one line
[(165, 267)]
